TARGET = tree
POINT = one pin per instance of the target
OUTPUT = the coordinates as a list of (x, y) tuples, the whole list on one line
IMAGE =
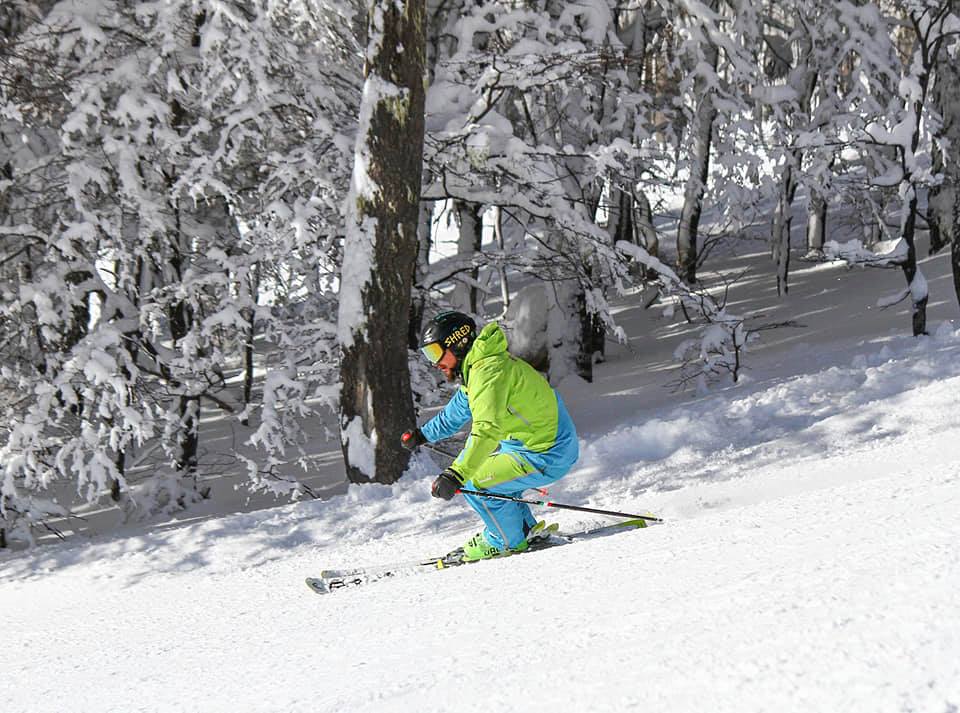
[(943, 215), (705, 58), (526, 117), (933, 23), (173, 149), (800, 81), (380, 246)]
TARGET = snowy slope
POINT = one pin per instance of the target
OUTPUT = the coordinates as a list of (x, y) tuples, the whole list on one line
[(809, 563)]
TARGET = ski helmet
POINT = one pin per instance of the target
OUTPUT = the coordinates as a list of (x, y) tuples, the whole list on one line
[(448, 330)]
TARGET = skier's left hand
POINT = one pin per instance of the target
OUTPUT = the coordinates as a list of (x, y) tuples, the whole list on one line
[(446, 485)]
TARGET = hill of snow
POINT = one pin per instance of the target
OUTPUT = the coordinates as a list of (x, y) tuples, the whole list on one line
[(809, 562)]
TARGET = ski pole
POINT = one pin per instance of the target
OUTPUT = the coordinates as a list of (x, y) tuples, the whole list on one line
[(438, 451), (559, 506)]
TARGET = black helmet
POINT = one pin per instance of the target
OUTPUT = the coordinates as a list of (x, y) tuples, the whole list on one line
[(451, 330)]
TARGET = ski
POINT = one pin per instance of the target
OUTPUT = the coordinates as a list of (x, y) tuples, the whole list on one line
[(332, 580)]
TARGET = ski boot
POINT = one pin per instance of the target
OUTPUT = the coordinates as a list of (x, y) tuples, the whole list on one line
[(478, 548)]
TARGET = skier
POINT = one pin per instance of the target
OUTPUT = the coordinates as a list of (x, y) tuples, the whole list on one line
[(521, 437)]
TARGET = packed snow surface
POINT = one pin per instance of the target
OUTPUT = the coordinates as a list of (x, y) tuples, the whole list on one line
[(809, 562)]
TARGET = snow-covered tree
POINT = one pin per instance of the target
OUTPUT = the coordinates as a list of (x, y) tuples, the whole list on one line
[(526, 115), (561, 117), (175, 150), (903, 133), (815, 54), (943, 215), (704, 56), (380, 246), (933, 22)]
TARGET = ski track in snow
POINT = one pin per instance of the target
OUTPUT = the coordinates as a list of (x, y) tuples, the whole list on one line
[(809, 563), (841, 598)]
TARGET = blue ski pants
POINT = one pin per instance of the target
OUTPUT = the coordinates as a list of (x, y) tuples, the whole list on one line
[(508, 522)]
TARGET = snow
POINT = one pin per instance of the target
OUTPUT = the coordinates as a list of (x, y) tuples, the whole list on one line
[(918, 287), (900, 135), (884, 253), (808, 562), (777, 94), (360, 448), (590, 17)]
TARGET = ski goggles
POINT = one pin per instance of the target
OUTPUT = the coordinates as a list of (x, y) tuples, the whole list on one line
[(433, 352)]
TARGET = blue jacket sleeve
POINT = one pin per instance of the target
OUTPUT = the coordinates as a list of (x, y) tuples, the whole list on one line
[(450, 420)]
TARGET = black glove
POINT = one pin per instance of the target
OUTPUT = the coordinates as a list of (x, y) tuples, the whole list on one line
[(446, 484), (411, 439)]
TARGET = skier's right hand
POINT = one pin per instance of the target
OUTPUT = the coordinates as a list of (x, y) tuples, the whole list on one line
[(411, 439), (446, 485)]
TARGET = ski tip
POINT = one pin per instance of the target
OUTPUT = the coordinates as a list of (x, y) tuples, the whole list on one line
[(639, 522), (318, 585)]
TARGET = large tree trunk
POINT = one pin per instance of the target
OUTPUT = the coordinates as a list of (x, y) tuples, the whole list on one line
[(380, 246)]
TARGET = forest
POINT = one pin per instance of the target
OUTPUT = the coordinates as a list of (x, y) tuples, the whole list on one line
[(233, 207)]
